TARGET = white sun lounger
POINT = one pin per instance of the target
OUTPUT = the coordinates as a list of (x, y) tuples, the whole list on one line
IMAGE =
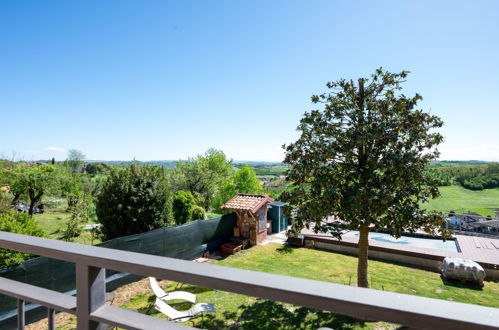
[(183, 316), (179, 316), (175, 295)]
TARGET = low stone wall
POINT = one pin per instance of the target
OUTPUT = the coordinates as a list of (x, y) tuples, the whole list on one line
[(424, 261)]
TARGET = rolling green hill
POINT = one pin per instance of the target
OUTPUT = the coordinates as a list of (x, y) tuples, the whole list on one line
[(463, 200)]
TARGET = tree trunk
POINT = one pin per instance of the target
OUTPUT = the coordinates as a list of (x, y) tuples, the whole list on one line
[(34, 199), (16, 199), (32, 208), (363, 252)]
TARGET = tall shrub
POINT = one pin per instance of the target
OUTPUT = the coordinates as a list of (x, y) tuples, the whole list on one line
[(133, 200), (20, 223)]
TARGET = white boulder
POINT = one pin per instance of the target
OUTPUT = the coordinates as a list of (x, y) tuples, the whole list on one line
[(464, 270)]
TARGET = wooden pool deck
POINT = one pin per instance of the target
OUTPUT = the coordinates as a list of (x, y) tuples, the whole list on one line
[(484, 251), (480, 249)]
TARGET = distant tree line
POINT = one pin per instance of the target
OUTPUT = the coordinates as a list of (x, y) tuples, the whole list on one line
[(470, 177), (126, 199)]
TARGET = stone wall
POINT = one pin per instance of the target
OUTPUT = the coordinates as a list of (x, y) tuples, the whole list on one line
[(248, 227)]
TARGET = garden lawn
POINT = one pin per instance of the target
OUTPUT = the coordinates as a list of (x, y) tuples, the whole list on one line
[(54, 221), (241, 312), (463, 200)]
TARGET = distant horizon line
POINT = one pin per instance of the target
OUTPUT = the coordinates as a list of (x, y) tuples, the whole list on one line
[(240, 161)]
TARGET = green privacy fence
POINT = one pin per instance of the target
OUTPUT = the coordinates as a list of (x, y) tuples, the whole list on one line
[(188, 241)]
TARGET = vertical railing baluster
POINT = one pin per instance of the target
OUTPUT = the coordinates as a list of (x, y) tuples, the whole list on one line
[(90, 295), (20, 314), (51, 318)]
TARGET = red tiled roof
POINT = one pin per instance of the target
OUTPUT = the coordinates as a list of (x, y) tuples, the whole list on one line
[(247, 202)]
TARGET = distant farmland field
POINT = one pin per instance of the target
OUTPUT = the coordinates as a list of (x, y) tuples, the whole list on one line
[(463, 200)]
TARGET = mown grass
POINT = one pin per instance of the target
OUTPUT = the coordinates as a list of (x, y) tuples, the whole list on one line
[(463, 200), (55, 220), (210, 215), (242, 312)]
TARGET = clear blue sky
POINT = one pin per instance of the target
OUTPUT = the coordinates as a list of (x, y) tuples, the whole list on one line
[(161, 80)]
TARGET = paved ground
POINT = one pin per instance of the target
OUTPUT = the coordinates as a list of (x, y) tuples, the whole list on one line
[(276, 238)]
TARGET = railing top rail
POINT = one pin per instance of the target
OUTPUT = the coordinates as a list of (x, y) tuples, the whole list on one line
[(130, 320), (35, 294), (66, 303), (414, 311)]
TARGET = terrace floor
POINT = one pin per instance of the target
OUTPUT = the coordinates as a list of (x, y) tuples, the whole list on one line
[(479, 249)]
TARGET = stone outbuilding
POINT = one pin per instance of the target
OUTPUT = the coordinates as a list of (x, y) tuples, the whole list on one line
[(251, 213)]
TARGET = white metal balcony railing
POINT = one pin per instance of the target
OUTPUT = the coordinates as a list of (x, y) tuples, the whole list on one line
[(92, 312)]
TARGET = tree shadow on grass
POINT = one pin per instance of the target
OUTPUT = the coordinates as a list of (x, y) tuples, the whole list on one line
[(180, 305), (273, 315), (193, 289), (285, 249)]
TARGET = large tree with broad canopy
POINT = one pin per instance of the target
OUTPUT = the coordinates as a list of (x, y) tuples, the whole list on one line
[(362, 159)]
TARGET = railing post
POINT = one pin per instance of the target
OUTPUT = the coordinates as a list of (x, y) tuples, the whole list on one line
[(51, 319), (90, 295), (20, 314)]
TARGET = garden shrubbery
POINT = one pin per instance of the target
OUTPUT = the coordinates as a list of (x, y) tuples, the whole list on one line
[(198, 213), (133, 200), (183, 204), (20, 223)]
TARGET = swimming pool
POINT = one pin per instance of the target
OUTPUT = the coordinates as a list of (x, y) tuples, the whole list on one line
[(429, 243)]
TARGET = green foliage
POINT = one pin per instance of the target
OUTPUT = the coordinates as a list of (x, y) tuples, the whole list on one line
[(133, 200), (266, 169), (96, 168), (79, 214), (479, 178), (183, 205), (455, 163), (245, 181), (31, 181), (363, 159), (473, 177), (75, 159), (202, 176), (5, 202), (73, 186), (198, 213), (20, 223), (97, 182), (242, 181), (276, 192)]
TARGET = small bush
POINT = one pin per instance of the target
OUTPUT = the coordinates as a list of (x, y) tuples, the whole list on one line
[(20, 223), (183, 206), (198, 213)]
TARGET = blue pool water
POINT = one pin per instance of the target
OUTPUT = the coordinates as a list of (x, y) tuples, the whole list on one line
[(429, 243)]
